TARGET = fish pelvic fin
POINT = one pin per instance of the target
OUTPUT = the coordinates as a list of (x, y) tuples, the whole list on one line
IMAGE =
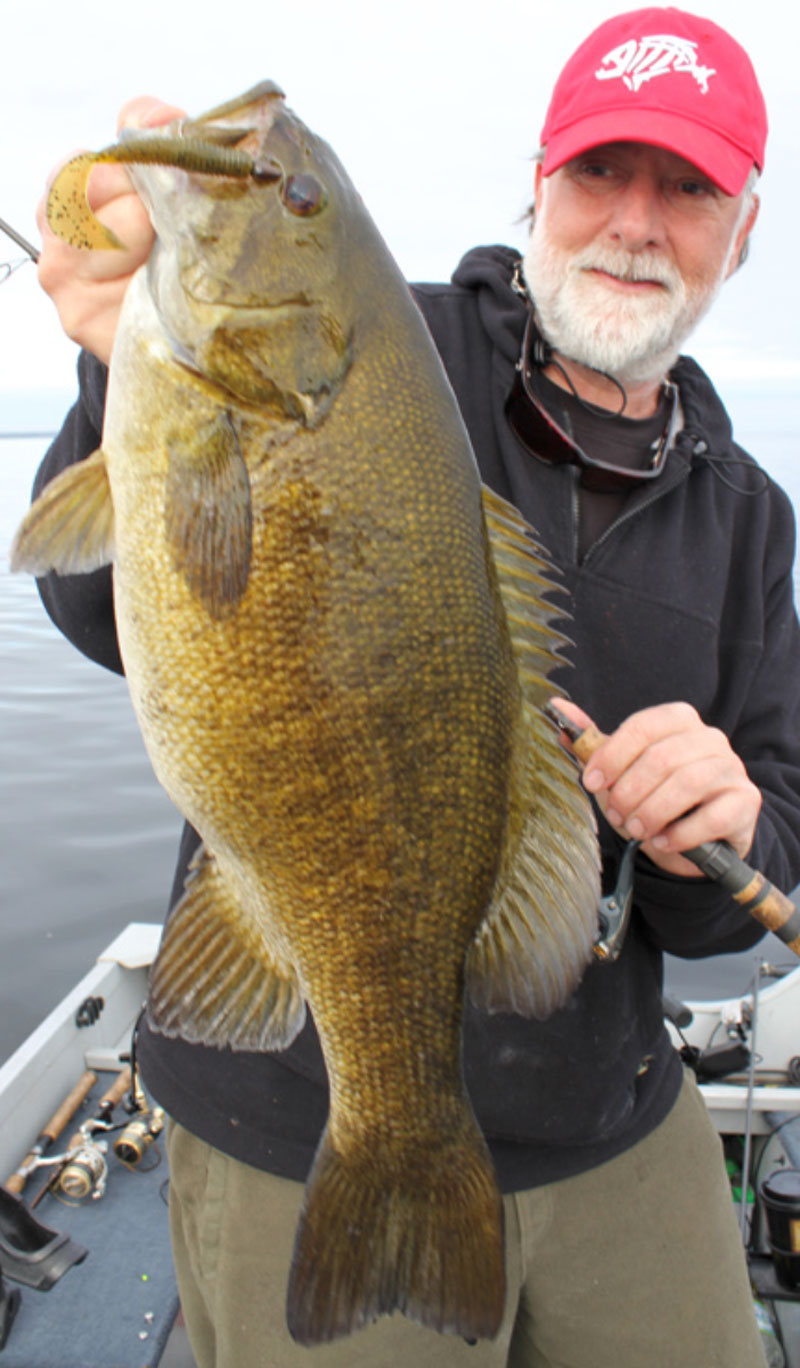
[(215, 980), (209, 515), (70, 526), (534, 944), (376, 1235)]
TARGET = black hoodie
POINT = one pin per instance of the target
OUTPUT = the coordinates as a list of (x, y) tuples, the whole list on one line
[(688, 595)]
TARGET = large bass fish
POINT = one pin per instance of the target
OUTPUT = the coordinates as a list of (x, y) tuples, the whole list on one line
[(337, 647)]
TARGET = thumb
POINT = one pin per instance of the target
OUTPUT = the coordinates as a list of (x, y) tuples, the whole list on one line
[(147, 111)]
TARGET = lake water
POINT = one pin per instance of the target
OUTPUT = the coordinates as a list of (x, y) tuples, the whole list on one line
[(89, 838)]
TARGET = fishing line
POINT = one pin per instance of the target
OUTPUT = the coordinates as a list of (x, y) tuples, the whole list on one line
[(748, 1122)]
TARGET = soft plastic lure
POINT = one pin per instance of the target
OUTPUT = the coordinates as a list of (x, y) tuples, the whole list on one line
[(70, 215)]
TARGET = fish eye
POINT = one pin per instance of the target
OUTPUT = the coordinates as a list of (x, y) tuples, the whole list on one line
[(302, 195)]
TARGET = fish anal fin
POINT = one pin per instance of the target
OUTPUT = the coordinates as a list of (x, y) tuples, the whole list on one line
[(215, 980), (208, 511), (371, 1241), (533, 946), (70, 526)]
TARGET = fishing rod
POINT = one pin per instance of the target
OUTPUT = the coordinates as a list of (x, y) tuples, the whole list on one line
[(33, 1160), (82, 1167), (82, 1170), (19, 239), (716, 859)]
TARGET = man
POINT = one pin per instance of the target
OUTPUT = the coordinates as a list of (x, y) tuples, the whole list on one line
[(621, 1246)]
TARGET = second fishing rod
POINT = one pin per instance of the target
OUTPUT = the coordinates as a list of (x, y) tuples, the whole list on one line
[(716, 859)]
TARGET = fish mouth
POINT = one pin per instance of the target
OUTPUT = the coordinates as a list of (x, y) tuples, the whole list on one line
[(229, 300), (237, 123), (210, 145), (258, 103), (215, 293)]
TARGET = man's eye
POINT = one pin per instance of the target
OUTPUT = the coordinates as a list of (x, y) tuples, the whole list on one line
[(695, 189), (594, 174)]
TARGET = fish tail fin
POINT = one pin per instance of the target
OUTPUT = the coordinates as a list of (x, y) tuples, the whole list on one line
[(424, 1238)]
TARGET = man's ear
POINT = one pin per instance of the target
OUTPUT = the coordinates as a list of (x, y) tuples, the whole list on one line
[(537, 179), (739, 248)]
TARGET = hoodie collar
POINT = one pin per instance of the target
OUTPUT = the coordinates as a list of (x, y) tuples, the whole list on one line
[(489, 272)]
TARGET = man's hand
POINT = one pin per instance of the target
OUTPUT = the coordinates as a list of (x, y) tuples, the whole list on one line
[(666, 779), (88, 287)]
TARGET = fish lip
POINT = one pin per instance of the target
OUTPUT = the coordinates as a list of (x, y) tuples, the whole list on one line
[(259, 107), (268, 307), (261, 94)]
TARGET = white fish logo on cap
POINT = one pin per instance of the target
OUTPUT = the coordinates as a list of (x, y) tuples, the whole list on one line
[(636, 62)]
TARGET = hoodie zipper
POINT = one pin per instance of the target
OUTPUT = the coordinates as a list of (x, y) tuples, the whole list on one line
[(660, 488)]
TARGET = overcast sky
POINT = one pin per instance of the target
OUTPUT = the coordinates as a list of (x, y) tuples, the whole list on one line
[(434, 106)]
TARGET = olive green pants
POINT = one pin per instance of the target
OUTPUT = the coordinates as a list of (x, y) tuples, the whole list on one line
[(635, 1264)]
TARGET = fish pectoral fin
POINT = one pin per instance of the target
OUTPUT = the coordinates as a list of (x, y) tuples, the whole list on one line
[(208, 511), (377, 1234), (70, 526), (215, 980), (533, 946)]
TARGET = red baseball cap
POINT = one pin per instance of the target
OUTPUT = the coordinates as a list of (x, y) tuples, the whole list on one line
[(665, 77)]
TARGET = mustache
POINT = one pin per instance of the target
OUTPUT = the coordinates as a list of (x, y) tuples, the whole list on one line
[(629, 266)]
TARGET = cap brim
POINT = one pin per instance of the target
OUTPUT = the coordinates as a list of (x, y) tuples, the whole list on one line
[(725, 164)]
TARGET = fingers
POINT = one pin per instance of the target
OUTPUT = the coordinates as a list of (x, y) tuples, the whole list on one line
[(666, 779), (114, 200), (88, 287), (147, 111)]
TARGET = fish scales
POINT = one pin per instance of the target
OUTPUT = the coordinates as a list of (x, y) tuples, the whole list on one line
[(336, 646)]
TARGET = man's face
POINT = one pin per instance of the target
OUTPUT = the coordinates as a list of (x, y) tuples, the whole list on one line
[(629, 247)]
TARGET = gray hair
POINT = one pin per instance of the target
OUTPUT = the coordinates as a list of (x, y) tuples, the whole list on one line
[(748, 196)]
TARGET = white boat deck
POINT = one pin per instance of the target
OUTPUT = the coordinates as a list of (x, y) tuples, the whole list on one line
[(49, 1063)]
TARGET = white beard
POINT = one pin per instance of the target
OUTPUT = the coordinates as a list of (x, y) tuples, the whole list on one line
[(634, 339)]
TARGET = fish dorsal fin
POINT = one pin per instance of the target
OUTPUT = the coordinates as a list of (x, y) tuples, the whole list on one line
[(215, 980), (70, 526), (525, 575), (536, 940), (209, 517)]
